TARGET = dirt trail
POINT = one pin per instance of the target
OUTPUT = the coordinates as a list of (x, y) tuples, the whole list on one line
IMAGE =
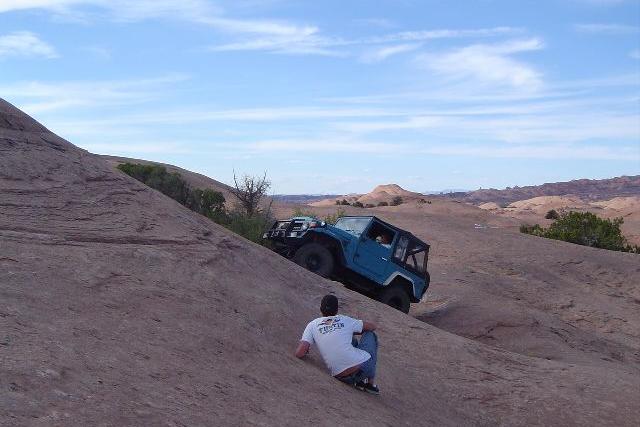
[(120, 307)]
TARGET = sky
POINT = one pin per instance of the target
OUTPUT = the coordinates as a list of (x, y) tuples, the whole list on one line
[(336, 97)]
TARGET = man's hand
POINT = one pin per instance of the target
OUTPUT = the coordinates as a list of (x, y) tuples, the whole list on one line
[(302, 350), (368, 326)]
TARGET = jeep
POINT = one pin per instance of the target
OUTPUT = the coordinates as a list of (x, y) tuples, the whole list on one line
[(363, 252)]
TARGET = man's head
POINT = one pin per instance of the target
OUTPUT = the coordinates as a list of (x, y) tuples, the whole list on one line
[(329, 305)]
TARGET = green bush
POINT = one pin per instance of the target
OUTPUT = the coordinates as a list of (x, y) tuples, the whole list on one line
[(396, 201), (552, 214), (584, 228), (535, 230), (157, 177), (206, 202), (249, 227), (333, 218), (303, 212)]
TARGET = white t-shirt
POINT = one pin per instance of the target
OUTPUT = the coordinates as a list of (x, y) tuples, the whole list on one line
[(332, 335)]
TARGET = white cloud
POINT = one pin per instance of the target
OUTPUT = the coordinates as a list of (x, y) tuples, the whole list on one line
[(24, 43), (37, 97), (376, 22), (156, 147), (310, 40), (537, 151), (324, 145), (380, 54), (425, 35), (480, 149), (607, 29), (488, 64)]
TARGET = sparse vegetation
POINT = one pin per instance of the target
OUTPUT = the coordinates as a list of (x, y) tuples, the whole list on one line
[(585, 228), (358, 205), (208, 202), (552, 214), (303, 212), (383, 204), (157, 177), (250, 191), (333, 218), (369, 205), (396, 201), (343, 202)]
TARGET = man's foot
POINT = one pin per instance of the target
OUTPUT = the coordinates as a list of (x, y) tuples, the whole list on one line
[(371, 389), (360, 385)]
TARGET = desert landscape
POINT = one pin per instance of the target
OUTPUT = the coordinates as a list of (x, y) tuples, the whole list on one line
[(121, 307), (609, 198)]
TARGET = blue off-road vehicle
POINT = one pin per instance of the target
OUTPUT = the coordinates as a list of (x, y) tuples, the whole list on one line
[(363, 252)]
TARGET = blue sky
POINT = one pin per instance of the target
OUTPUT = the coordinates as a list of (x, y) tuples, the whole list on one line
[(337, 96)]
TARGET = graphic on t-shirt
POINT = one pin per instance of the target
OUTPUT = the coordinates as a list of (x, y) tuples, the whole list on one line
[(330, 325)]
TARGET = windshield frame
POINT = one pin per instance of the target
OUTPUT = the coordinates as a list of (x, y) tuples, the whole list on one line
[(364, 221)]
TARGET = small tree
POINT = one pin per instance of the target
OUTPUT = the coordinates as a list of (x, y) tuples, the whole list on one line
[(333, 218), (208, 203), (534, 230), (586, 228), (358, 205), (344, 202), (552, 214), (396, 201), (250, 192)]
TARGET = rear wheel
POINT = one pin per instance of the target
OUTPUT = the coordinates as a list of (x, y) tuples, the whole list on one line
[(395, 297), (315, 258)]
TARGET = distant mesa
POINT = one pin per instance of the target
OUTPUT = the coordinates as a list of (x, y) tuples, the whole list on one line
[(382, 193), (585, 189)]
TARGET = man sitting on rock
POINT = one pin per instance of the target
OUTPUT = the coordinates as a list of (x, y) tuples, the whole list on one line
[(348, 360)]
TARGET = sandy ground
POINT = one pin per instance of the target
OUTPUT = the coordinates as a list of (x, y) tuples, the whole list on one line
[(120, 307)]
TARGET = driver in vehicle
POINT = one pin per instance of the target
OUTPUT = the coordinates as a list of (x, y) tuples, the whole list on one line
[(384, 240)]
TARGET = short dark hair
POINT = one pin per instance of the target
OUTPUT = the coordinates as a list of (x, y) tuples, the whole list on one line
[(329, 305)]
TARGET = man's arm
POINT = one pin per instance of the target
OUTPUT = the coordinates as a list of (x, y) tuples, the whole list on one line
[(367, 326), (302, 350)]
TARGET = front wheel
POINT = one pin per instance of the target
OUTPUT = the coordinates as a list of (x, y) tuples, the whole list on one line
[(395, 297), (315, 258)]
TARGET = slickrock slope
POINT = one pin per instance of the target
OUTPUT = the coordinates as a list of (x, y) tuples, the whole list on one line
[(120, 307)]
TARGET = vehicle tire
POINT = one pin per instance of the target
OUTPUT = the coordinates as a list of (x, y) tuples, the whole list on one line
[(315, 258), (396, 297)]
